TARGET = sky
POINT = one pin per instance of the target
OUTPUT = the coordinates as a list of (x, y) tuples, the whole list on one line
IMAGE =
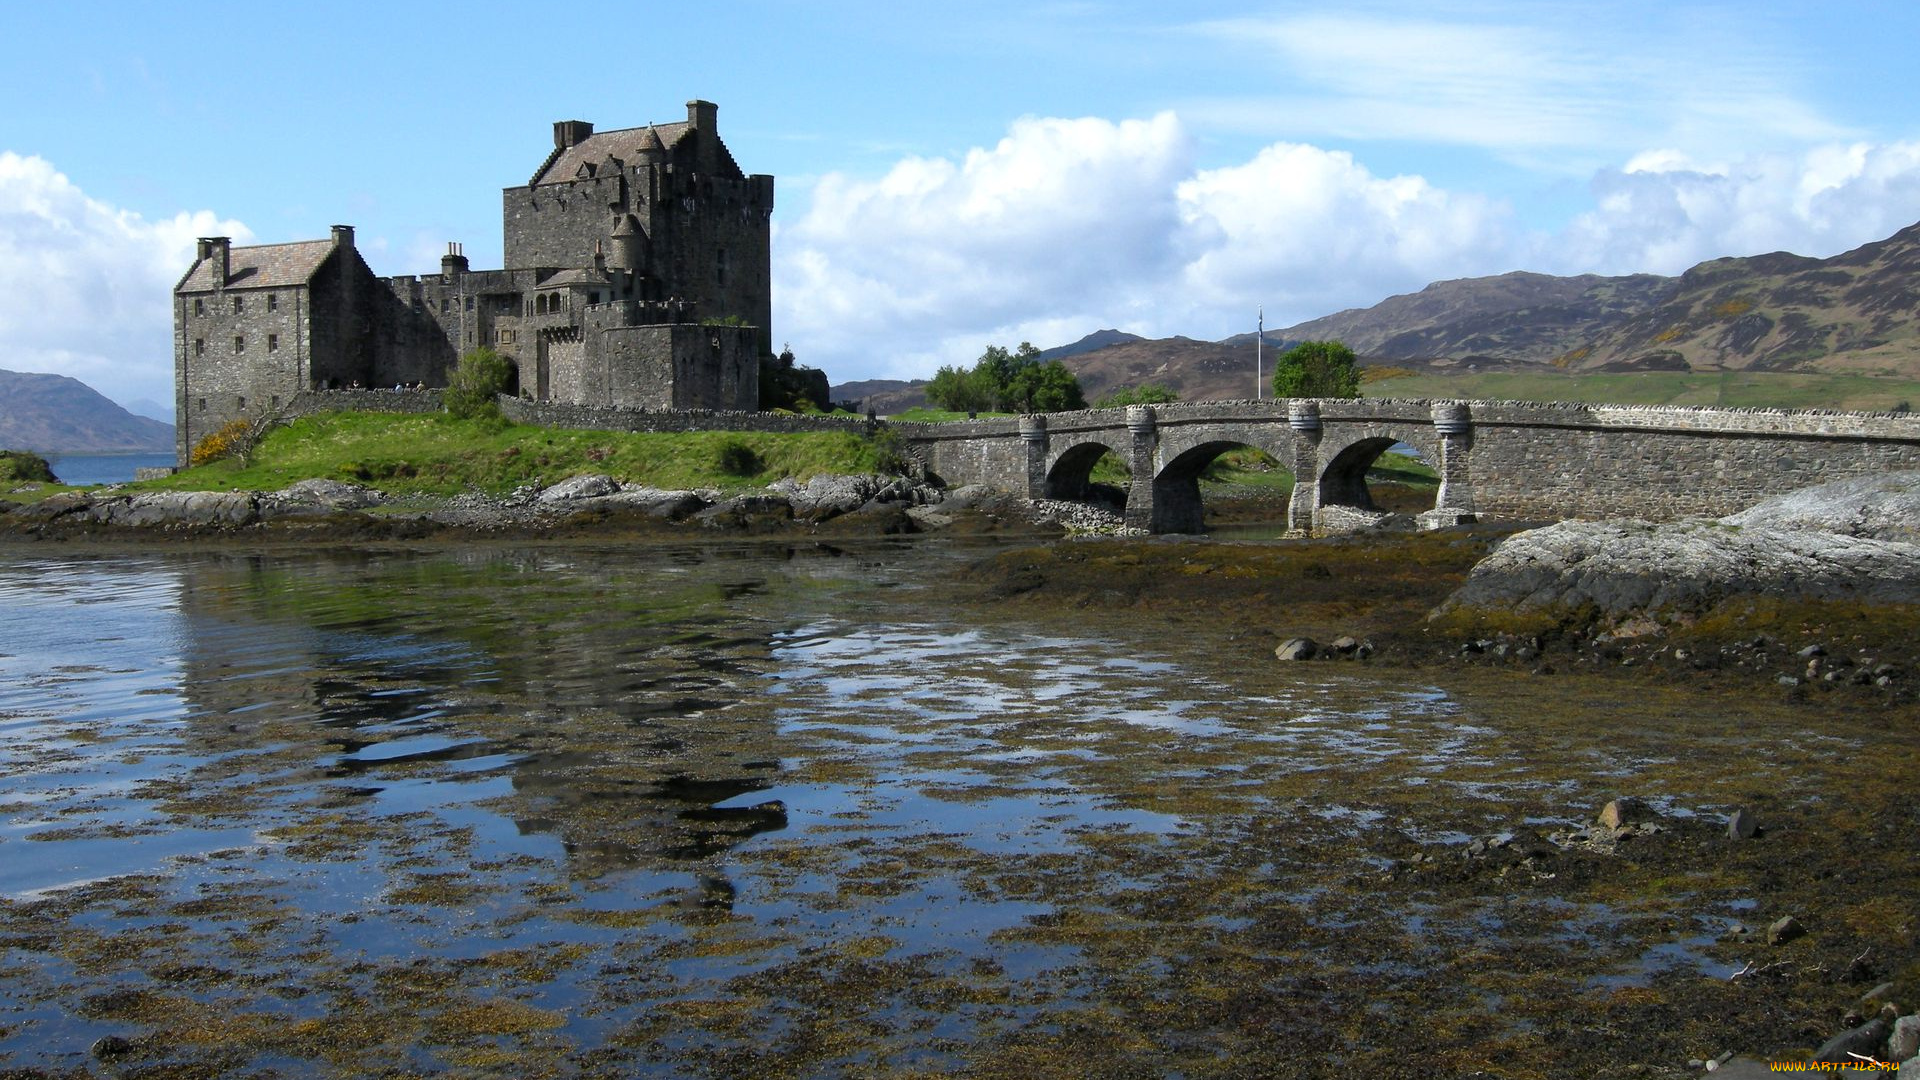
[(952, 176)]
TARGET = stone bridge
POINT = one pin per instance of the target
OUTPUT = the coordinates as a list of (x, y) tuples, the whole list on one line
[(1497, 459)]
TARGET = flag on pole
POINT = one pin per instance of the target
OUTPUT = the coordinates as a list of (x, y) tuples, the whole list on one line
[(1259, 339)]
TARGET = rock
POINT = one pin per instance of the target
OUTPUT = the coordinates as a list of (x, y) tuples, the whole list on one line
[(929, 518), (1882, 506), (1344, 645), (160, 509), (1620, 812), (830, 496), (1741, 825), (1623, 569), (108, 1047), (585, 486), (334, 494), (744, 510), (1866, 1040), (1878, 993), (1784, 929), (1812, 652), (55, 506), (1904, 1042), (1298, 648)]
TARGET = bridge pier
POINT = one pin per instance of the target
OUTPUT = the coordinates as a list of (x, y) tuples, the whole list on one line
[(1145, 507), (1302, 506), (1453, 504), (1033, 435)]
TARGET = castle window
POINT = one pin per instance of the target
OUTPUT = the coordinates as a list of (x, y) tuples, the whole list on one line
[(199, 346), (203, 404), (239, 344), (276, 401), (199, 305), (243, 401), (469, 303), (593, 298), (273, 301), (273, 342), (239, 304)]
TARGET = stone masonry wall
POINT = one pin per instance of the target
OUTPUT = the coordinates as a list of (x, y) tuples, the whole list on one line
[(238, 353), (591, 418)]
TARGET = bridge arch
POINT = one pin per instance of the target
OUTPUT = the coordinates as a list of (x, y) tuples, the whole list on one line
[(1346, 454), (1177, 503), (1070, 470)]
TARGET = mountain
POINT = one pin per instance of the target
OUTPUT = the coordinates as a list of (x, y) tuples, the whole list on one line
[(1519, 317), (1099, 339), (150, 409), (883, 396), (56, 414), (1857, 312)]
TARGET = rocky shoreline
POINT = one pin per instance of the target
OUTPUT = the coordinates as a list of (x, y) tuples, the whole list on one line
[(316, 510)]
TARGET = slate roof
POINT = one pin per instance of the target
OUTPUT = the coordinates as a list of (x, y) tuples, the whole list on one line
[(582, 277), (625, 144), (263, 266)]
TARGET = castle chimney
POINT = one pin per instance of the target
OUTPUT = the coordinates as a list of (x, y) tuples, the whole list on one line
[(454, 262), (219, 249), (700, 115), (570, 133), (343, 236)]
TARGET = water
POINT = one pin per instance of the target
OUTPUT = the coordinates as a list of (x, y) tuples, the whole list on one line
[(82, 469), (729, 811)]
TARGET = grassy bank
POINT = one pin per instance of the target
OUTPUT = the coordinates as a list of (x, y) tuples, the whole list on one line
[(439, 455), (1729, 389)]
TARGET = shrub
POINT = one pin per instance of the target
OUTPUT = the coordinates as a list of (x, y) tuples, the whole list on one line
[(476, 379), (233, 439), (736, 458), (890, 453), (21, 465)]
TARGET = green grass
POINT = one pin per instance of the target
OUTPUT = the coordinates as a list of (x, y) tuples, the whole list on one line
[(436, 454), (1730, 389)]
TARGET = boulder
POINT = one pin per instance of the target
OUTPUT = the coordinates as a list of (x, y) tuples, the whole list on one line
[(165, 509), (1298, 648), (1784, 929), (585, 486), (1882, 506), (1867, 1040), (1621, 812), (1624, 569), (1904, 1042), (1741, 825)]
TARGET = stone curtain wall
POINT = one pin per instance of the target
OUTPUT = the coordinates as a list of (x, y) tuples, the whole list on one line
[(314, 402), (591, 418)]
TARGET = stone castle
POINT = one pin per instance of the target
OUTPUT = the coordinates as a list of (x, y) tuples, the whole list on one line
[(637, 277)]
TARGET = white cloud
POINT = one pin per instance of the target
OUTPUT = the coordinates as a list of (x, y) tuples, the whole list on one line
[(1662, 213), (85, 288), (1066, 226)]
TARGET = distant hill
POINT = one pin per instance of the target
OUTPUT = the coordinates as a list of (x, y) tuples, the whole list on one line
[(1099, 339), (1521, 317), (150, 409), (53, 414), (1858, 312)]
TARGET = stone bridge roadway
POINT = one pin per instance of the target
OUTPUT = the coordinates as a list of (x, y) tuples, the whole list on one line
[(1496, 459)]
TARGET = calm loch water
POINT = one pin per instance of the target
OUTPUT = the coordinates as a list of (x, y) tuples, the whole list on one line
[(708, 811)]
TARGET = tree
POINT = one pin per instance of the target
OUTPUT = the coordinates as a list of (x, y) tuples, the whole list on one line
[(1047, 387), (476, 379), (1008, 381), (1317, 369)]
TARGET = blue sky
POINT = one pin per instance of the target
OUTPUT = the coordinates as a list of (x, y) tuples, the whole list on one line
[(956, 175)]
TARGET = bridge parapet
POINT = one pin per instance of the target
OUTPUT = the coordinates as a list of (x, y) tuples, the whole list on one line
[(1508, 459)]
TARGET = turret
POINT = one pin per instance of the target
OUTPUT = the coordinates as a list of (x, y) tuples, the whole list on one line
[(629, 247)]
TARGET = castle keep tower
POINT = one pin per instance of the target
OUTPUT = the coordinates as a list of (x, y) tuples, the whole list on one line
[(638, 275)]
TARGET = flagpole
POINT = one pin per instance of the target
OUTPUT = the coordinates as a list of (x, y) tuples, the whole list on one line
[(1259, 339)]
